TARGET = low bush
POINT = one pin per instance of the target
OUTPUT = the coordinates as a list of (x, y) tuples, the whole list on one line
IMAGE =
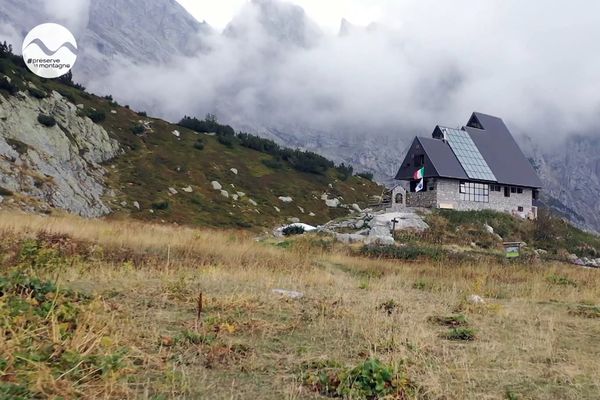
[(410, 252), (138, 129), (226, 140), (142, 113), (199, 145), (8, 86), (460, 334), (369, 380), (46, 120), (293, 230), (561, 280), (452, 320), (273, 163), (37, 93), (365, 175), (161, 205), (585, 311), (96, 116)]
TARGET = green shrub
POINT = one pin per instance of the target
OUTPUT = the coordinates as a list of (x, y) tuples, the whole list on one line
[(19, 146), (96, 116), (585, 311), (273, 163), (464, 334), (142, 113), (161, 205), (8, 86), (452, 320), (293, 230), (365, 175), (369, 380), (46, 120), (409, 252), (37, 93), (561, 280), (138, 129), (199, 145), (226, 140), (345, 171)]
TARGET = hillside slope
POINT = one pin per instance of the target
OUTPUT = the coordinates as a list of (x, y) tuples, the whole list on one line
[(131, 164)]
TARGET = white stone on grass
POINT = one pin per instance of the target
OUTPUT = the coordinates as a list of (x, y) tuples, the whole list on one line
[(234, 171), (216, 185), (225, 193), (291, 294), (286, 199), (173, 191), (188, 189)]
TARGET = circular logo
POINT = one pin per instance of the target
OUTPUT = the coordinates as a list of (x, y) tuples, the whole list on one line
[(49, 50)]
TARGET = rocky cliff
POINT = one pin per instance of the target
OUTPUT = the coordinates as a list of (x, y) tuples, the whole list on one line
[(52, 166)]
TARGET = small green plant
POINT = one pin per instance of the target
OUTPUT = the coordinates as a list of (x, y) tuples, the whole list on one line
[(37, 93), (46, 120), (273, 163), (199, 145), (585, 311), (389, 306), (460, 334), (96, 116), (8, 86), (451, 320), (365, 175), (369, 380), (293, 230), (138, 129), (561, 280), (161, 205), (421, 285), (193, 337)]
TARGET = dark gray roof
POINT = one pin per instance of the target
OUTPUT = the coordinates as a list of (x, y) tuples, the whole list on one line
[(442, 158), (496, 145), (502, 153)]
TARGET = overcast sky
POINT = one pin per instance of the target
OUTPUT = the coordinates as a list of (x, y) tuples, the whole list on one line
[(327, 13)]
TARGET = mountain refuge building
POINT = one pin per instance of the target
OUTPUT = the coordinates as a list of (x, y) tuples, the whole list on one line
[(477, 167)]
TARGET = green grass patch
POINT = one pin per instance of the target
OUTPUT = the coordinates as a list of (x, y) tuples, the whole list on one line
[(460, 334)]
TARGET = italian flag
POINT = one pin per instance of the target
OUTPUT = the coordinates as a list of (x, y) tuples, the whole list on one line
[(420, 174)]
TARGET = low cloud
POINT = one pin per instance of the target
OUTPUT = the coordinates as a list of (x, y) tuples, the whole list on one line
[(426, 62)]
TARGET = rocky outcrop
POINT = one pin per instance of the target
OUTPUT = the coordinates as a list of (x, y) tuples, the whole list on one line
[(56, 166)]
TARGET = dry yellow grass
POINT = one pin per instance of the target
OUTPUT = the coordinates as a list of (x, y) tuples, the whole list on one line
[(254, 344)]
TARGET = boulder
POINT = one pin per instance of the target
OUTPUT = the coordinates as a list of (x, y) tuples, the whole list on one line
[(293, 220), (286, 199), (332, 203), (173, 191), (188, 189), (176, 133), (356, 208), (225, 193), (324, 196), (241, 194), (290, 294), (216, 185), (234, 171), (235, 197), (113, 111), (277, 208), (136, 205), (475, 299), (123, 204), (301, 209), (350, 238), (489, 229), (254, 203)]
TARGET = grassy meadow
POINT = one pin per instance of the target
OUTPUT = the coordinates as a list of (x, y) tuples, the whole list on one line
[(128, 310)]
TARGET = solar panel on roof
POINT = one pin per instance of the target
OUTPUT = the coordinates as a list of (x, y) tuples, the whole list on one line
[(468, 154)]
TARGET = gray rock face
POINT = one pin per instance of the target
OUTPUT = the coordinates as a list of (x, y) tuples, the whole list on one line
[(105, 32), (59, 166)]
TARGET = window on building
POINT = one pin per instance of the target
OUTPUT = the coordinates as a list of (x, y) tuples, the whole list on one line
[(431, 184), (536, 194), (513, 189), (419, 160), (477, 192), (506, 191), (496, 188), (520, 190), (521, 209)]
